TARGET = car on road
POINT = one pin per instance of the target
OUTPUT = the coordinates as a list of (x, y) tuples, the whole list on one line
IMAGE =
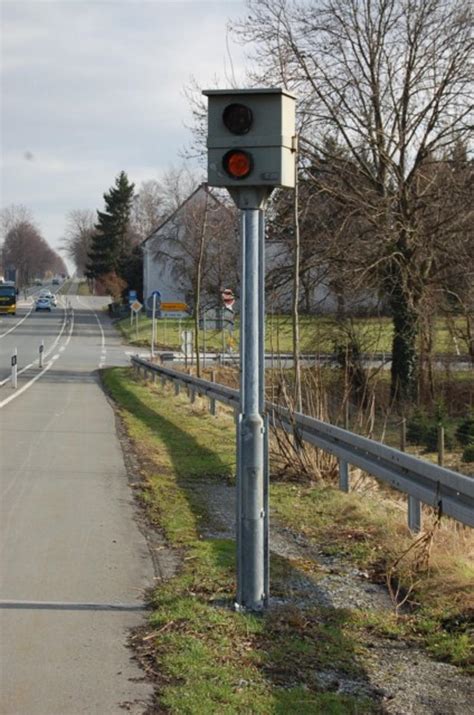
[(50, 296), (43, 303)]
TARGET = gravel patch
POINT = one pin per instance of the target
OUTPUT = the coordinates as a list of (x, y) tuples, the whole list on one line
[(404, 678)]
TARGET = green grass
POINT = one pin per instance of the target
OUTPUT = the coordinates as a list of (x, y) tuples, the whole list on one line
[(211, 659), (318, 334), (83, 288)]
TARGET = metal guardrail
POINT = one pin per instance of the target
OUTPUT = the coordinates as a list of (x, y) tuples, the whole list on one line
[(443, 489)]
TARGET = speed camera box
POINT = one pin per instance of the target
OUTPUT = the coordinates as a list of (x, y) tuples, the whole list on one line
[(251, 138)]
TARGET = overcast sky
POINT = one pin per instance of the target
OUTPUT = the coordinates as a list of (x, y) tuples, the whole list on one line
[(91, 88)]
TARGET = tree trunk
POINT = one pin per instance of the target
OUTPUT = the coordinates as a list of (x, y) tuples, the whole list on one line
[(404, 353), (296, 291)]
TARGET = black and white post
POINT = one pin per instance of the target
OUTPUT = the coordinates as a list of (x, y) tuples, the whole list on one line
[(14, 363)]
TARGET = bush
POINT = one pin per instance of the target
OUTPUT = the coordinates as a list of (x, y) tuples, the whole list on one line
[(468, 454), (422, 429), (431, 438), (418, 427), (465, 431)]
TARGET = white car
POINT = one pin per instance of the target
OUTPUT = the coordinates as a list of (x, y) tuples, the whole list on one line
[(50, 296), (43, 303)]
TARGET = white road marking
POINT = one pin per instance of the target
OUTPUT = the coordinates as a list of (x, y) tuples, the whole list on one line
[(19, 322), (28, 303), (45, 355), (27, 385), (103, 351)]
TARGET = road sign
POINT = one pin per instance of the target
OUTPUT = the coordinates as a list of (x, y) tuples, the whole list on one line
[(136, 306), (174, 307), (156, 296), (132, 296), (228, 298), (175, 314)]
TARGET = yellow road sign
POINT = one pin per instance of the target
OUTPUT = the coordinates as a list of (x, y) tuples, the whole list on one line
[(170, 307)]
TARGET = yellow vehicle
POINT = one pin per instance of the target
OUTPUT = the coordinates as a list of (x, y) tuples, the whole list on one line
[(8, 293)]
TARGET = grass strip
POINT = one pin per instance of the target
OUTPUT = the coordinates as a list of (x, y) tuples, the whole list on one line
[(318, 334), (209, 658)]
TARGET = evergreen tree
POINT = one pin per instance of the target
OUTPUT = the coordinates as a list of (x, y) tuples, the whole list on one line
[(131, 270), (111, 242)]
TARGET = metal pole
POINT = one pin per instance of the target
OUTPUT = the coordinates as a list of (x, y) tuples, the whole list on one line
[(261, 402), (414, 504), (344, 483), (414, 514), (204, 340), (251, 463), (15, 369), (212, 401), (153, 327)]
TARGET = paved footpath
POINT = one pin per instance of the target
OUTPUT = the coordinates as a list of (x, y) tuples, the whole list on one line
[(74, 565)]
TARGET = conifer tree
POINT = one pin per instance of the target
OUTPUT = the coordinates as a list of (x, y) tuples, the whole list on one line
[(111, 242)]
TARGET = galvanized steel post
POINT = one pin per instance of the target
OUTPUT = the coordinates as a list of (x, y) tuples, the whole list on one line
[(251, 500), (153, 326)]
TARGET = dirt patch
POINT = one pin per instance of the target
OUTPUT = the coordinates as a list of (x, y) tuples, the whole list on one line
[(407, 679)]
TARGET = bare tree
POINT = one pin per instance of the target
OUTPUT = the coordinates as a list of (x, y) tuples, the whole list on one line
[(13, 215), (79, 232), (201, 250), (148, 208), (25, 250), (390, 82)]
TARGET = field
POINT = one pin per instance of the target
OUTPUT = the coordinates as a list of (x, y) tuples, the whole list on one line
[(318, 334)]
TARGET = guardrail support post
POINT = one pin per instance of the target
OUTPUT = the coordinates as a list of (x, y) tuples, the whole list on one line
[(212, 401), (176, 388), (414, 504), (414, 514), (344, 484)]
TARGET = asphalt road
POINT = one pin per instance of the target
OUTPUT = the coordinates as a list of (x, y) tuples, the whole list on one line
[(74, 565)]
